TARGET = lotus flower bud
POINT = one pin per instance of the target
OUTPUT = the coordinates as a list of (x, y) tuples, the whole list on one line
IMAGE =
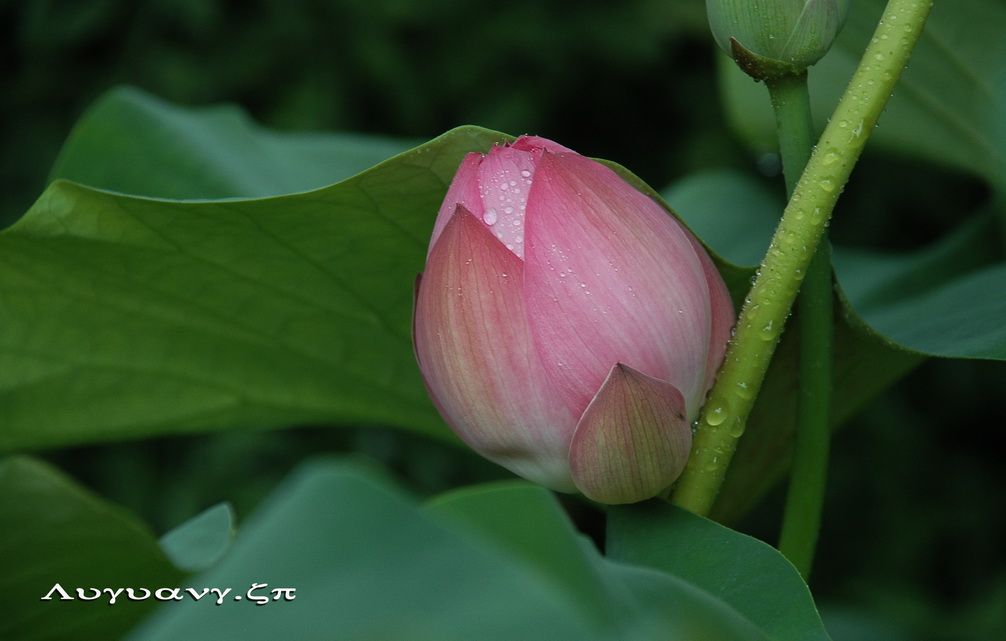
[(566, 325), (771, 37)]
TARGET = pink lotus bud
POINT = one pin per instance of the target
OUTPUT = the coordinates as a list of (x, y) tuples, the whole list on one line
[(567, 326)]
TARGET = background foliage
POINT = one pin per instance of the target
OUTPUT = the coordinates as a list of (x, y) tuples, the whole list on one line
[(911, 528)]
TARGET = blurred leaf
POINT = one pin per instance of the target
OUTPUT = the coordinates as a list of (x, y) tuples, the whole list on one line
[(527, 523), (53, 531), (124, 316), (751, 576), (730, 211), (945, 300), (149, 147), (366, 563), (847, 624), (949, 107), (198, 543)]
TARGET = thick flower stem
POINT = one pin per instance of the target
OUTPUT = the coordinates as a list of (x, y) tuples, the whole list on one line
[(793, 245), (808, 475)]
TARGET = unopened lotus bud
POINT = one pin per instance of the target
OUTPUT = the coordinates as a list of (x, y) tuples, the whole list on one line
[(776, 37), (567, 326)]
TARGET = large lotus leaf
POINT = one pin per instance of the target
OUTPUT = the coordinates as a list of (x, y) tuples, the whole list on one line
[(366, 562), (124, 316)]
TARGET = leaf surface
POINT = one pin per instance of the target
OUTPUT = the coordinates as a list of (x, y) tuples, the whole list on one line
[(125, 316), (368, 563), (52, 531)]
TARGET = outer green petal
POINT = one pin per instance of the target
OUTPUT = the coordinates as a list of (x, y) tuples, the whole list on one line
[(633, 439)]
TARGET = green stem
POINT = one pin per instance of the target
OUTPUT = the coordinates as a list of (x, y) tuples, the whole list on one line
[(791, 104), (771, 297), (808, 475)]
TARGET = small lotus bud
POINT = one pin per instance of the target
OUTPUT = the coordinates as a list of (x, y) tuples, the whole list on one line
[(769, 38)]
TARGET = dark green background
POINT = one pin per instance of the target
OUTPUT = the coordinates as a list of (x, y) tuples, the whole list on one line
[(913, 527)]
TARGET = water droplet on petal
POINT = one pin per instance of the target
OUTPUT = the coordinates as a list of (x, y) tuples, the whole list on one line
[(490, 216)]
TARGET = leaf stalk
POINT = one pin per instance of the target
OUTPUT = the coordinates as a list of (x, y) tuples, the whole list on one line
[(793, 245)]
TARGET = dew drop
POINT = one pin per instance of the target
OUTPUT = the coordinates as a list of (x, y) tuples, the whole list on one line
[(767, 333), (525, 173), (490, 216), (827, 185), (716, 416), (737, 429)]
